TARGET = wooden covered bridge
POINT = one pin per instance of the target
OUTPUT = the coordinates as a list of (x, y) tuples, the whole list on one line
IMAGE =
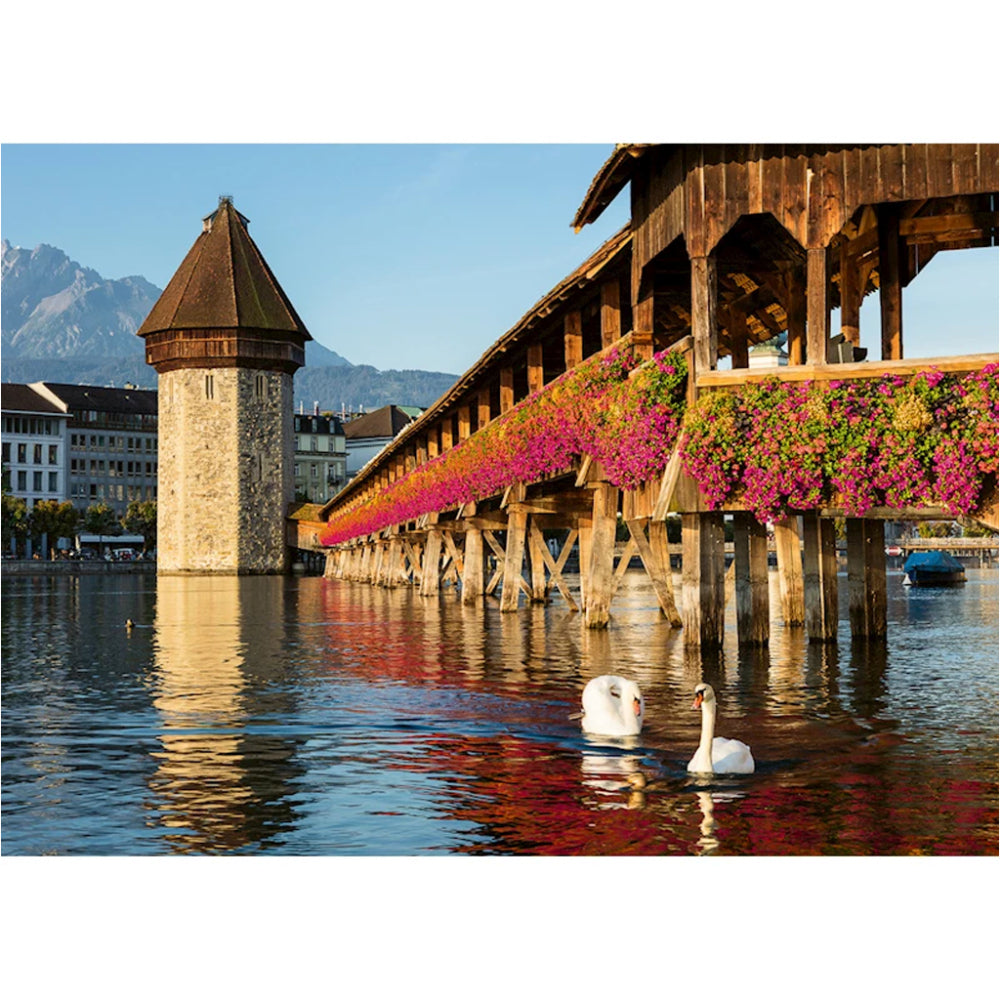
[(727, 248)]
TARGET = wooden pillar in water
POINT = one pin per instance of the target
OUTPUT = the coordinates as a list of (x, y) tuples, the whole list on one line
[(753, 608), (703, 573), (659, 545), (536, 560), (866, 576), (584, 525), (820, 578), (472, 569), (430, 581), (392, 572), (788, 549), (597, 608), (517, 529)]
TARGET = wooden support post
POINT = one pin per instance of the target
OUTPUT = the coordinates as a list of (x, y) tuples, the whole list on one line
[(704, 328), (788, 548), (536, 368), (820, 578), (795, 310), (597, 608), (430, 577), (584, 527), (866, 576), (464, 422), (703, 576), (753, 608), (611, 313), (817, 306), (485, 413), (642, 324), (517, 529), (447, 435), (536, 559), (850, 296), (890, 285), (655, 556), (573, 338), (392, 568), (738, 338), (506, 389), (474, 563)]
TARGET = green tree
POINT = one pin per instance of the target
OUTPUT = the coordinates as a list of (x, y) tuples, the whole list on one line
[(54, 519), (935, 529), (140, 519), (99, 519), (14, 522)]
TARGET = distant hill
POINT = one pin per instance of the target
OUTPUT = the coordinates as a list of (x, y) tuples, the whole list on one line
[(63, 322)]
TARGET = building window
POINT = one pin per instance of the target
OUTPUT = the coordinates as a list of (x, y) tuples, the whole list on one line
[(22, 453), (6, 453), (53, 454), (260, 386), (22, 480), (53, 482), (37, 450), (209, 387), (36, 480)]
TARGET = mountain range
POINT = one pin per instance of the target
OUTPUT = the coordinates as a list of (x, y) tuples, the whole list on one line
[(63, 322)]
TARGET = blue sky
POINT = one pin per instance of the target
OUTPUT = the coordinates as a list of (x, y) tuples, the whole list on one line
[(395, 255)]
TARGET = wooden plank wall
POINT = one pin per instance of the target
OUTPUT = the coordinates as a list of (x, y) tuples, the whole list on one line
[(699, 192)]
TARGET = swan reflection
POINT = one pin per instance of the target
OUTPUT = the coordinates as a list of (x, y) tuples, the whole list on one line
[(708, 842), (610, 774)]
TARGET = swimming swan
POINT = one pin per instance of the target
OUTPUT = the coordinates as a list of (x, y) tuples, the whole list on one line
[(612, 706), (718, 755)]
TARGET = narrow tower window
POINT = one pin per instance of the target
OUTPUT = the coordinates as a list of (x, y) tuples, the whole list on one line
[(261, 386), (209, 387)]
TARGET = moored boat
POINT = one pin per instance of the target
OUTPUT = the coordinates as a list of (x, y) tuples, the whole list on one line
[(933, 569)]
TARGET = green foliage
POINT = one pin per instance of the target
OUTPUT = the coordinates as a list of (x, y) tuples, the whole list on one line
[(54, 519), (14, 520), (140, 519), (99, 519)]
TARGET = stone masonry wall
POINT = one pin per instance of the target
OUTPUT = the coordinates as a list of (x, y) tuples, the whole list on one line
[(225, 470)]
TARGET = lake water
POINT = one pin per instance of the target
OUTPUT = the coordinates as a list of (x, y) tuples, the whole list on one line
[(303, 716)]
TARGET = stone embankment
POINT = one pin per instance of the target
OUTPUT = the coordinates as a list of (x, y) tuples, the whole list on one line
[(73, 567)]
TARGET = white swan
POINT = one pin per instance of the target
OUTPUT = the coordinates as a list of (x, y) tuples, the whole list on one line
[(718, 755), (612, 706)]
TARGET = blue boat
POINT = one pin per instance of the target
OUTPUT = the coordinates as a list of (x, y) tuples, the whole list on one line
[(933, 569)]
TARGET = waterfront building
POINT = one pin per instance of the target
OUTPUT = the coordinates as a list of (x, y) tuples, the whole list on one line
[(369, 433), (34, 444), (112, 442), (320, 455), (225, 342)]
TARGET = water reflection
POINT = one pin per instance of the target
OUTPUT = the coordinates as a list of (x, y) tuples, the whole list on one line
[(222, 781), (324, 717)]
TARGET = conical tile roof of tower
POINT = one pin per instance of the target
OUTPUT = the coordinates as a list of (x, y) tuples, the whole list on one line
[(224, 283)]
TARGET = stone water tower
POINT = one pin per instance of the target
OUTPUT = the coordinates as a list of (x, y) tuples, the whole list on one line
[(225, 342)]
